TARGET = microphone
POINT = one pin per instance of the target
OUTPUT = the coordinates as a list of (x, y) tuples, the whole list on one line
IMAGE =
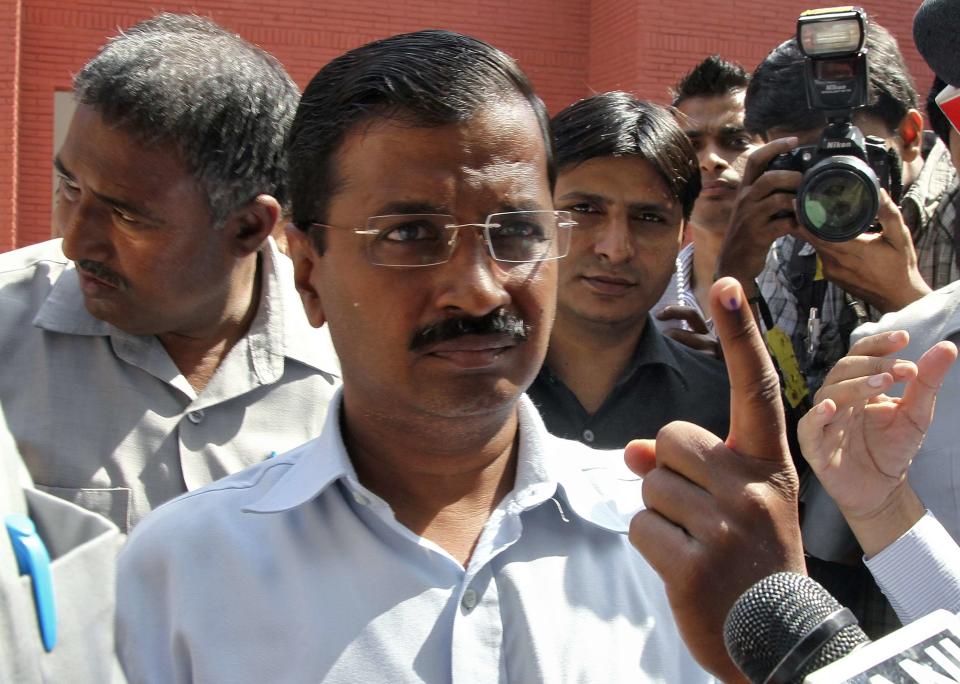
[(789, 629), (936, 27), (786, 626)]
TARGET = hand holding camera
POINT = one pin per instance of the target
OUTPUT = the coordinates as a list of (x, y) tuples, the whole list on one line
[(837, 191), (763, 212), (844, 172), (878, 267)]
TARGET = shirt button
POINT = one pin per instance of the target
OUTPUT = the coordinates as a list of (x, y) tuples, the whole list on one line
[(360, 499), (469, 600), (196, 417), (588, 435)]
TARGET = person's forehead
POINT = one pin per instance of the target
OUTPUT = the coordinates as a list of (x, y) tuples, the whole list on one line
[(708, 114), (628, 178), (94, 139), (496, 156), (118, 166)]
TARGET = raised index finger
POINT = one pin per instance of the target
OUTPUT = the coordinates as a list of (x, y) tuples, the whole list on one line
[(757, 423)]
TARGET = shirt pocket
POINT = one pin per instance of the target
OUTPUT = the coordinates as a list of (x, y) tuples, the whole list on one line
[(112, 503)]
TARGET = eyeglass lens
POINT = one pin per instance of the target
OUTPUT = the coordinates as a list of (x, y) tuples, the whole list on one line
[(427, 239)]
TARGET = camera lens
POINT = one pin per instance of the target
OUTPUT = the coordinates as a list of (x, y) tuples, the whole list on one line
[(839, 198)]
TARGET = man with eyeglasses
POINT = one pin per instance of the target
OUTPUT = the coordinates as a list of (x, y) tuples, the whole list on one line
[(435, 531), (629, 178)]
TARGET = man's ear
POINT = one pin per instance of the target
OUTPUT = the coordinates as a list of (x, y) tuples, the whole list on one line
[(250, 225), (305, 263), (910, 132)]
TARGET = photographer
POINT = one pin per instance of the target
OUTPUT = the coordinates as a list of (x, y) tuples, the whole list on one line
[(812, 292), (847, 282)]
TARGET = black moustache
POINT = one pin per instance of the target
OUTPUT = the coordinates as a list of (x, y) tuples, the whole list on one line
[(98, 270), (497, 322)]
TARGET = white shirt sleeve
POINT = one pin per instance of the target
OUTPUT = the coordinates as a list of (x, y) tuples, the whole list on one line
[(920, 571)]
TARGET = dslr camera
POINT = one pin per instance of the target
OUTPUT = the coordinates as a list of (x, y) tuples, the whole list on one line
[(842, 174)]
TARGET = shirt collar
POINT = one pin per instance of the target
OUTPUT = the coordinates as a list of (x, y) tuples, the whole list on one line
[(63, 310), (651, 349), (921, 199), (596, 485), (280, 328)]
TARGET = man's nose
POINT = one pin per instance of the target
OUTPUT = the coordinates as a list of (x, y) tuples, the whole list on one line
[(710, 158), (471, 282), (85, 226), (614, 242)]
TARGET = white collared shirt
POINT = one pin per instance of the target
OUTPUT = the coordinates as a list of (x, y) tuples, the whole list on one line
[(106, 420), (293, 571)]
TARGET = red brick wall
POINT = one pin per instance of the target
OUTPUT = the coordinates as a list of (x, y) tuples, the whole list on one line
[(9, 91), (570, 48), (645, 46)]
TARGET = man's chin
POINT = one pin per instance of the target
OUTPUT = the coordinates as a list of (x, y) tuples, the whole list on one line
[(470, 402), (614, 318), (117, 316), (716, 220)]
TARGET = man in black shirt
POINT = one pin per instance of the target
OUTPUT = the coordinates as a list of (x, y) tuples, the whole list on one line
[(629, 176)]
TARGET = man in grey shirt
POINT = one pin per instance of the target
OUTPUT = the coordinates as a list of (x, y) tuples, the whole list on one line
[(57, 564), (160, 344)]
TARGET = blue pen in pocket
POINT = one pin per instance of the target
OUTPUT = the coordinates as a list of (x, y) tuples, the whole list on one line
[(33, 560)]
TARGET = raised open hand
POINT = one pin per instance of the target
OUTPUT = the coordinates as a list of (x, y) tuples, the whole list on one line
[(860, 442)]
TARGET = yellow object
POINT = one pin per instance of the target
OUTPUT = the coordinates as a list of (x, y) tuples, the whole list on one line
[(795, 386), (826, 10)]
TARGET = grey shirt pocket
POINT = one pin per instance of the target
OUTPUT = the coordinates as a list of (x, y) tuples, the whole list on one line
[(112, 503)]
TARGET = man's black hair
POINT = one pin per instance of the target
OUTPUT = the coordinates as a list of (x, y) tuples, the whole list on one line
[(617, 124), (222, 104), (427, 78), (776, 96), (939, 123), (712, 77)]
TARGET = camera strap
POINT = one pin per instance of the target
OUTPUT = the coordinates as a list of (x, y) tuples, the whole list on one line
[(795, 389), (793, 386), (810, 289)]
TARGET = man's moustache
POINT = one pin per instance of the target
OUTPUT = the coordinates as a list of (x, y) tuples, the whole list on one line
[(497, 322), (98, 270)]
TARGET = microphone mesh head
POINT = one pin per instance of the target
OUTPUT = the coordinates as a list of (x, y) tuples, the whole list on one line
[(773, 615)]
